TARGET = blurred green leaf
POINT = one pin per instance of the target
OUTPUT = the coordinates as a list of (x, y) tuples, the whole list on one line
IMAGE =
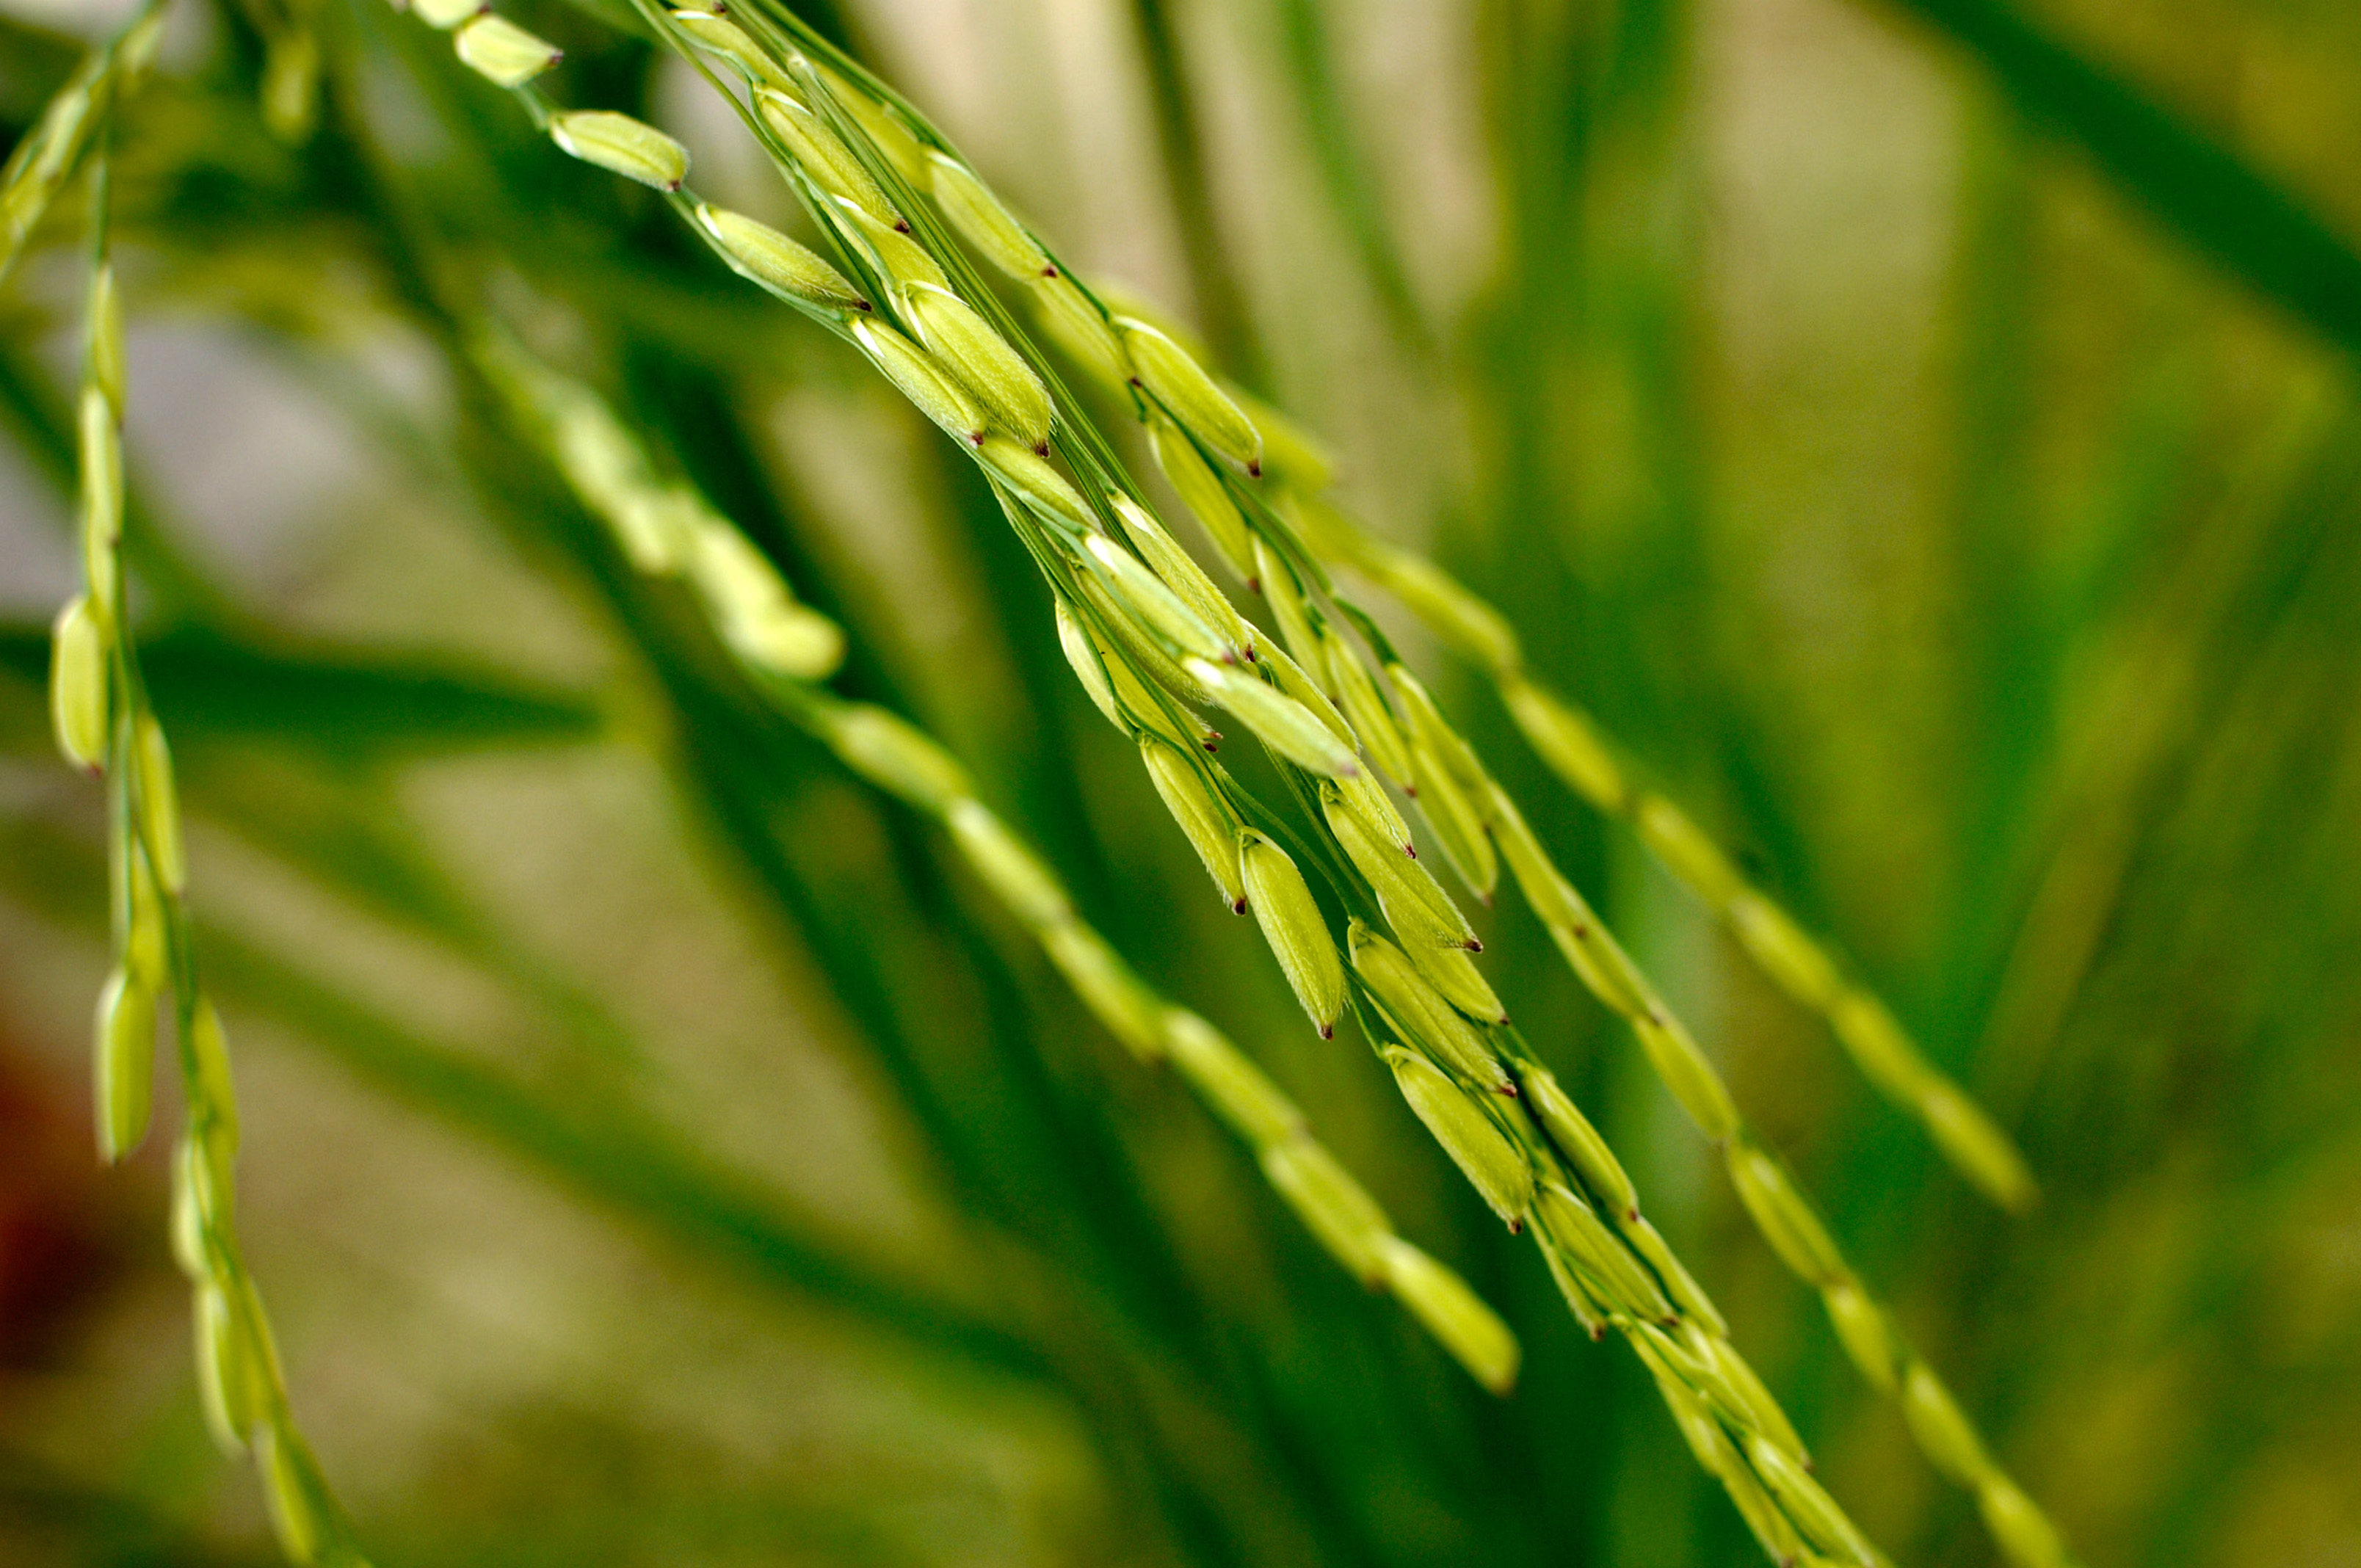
[(2189, 176), (345, 703)]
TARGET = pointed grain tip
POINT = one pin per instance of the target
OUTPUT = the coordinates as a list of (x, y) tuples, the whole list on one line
[(1327, 1031)]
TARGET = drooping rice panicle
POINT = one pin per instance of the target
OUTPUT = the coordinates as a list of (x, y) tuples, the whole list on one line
[(608, 471), (1615, 1271), (105, 726), (1197, 425), (1469, 815), (1566, 738)]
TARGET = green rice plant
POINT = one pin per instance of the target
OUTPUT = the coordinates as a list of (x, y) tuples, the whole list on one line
[(105, 727), (1085, 1324), (1203, 436), (1172, 639)]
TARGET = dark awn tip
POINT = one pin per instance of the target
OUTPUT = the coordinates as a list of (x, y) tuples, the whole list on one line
[(1511, 1090), (1411, 849), (1237, 906), (1473, 946), (1040, 449), (1049, 270), (1254, 469), (901, 225), (1254, 584), (1516, 1227), (862, 305), (1327, 1031)]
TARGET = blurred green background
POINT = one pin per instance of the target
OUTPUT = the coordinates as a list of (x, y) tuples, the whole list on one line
[(1926, 435)]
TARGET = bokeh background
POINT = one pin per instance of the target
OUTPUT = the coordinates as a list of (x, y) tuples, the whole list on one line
[(1925, 435)]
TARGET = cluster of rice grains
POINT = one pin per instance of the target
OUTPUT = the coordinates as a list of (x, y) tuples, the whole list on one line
[(104, 726), (1155, 643), (1159, 646)]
